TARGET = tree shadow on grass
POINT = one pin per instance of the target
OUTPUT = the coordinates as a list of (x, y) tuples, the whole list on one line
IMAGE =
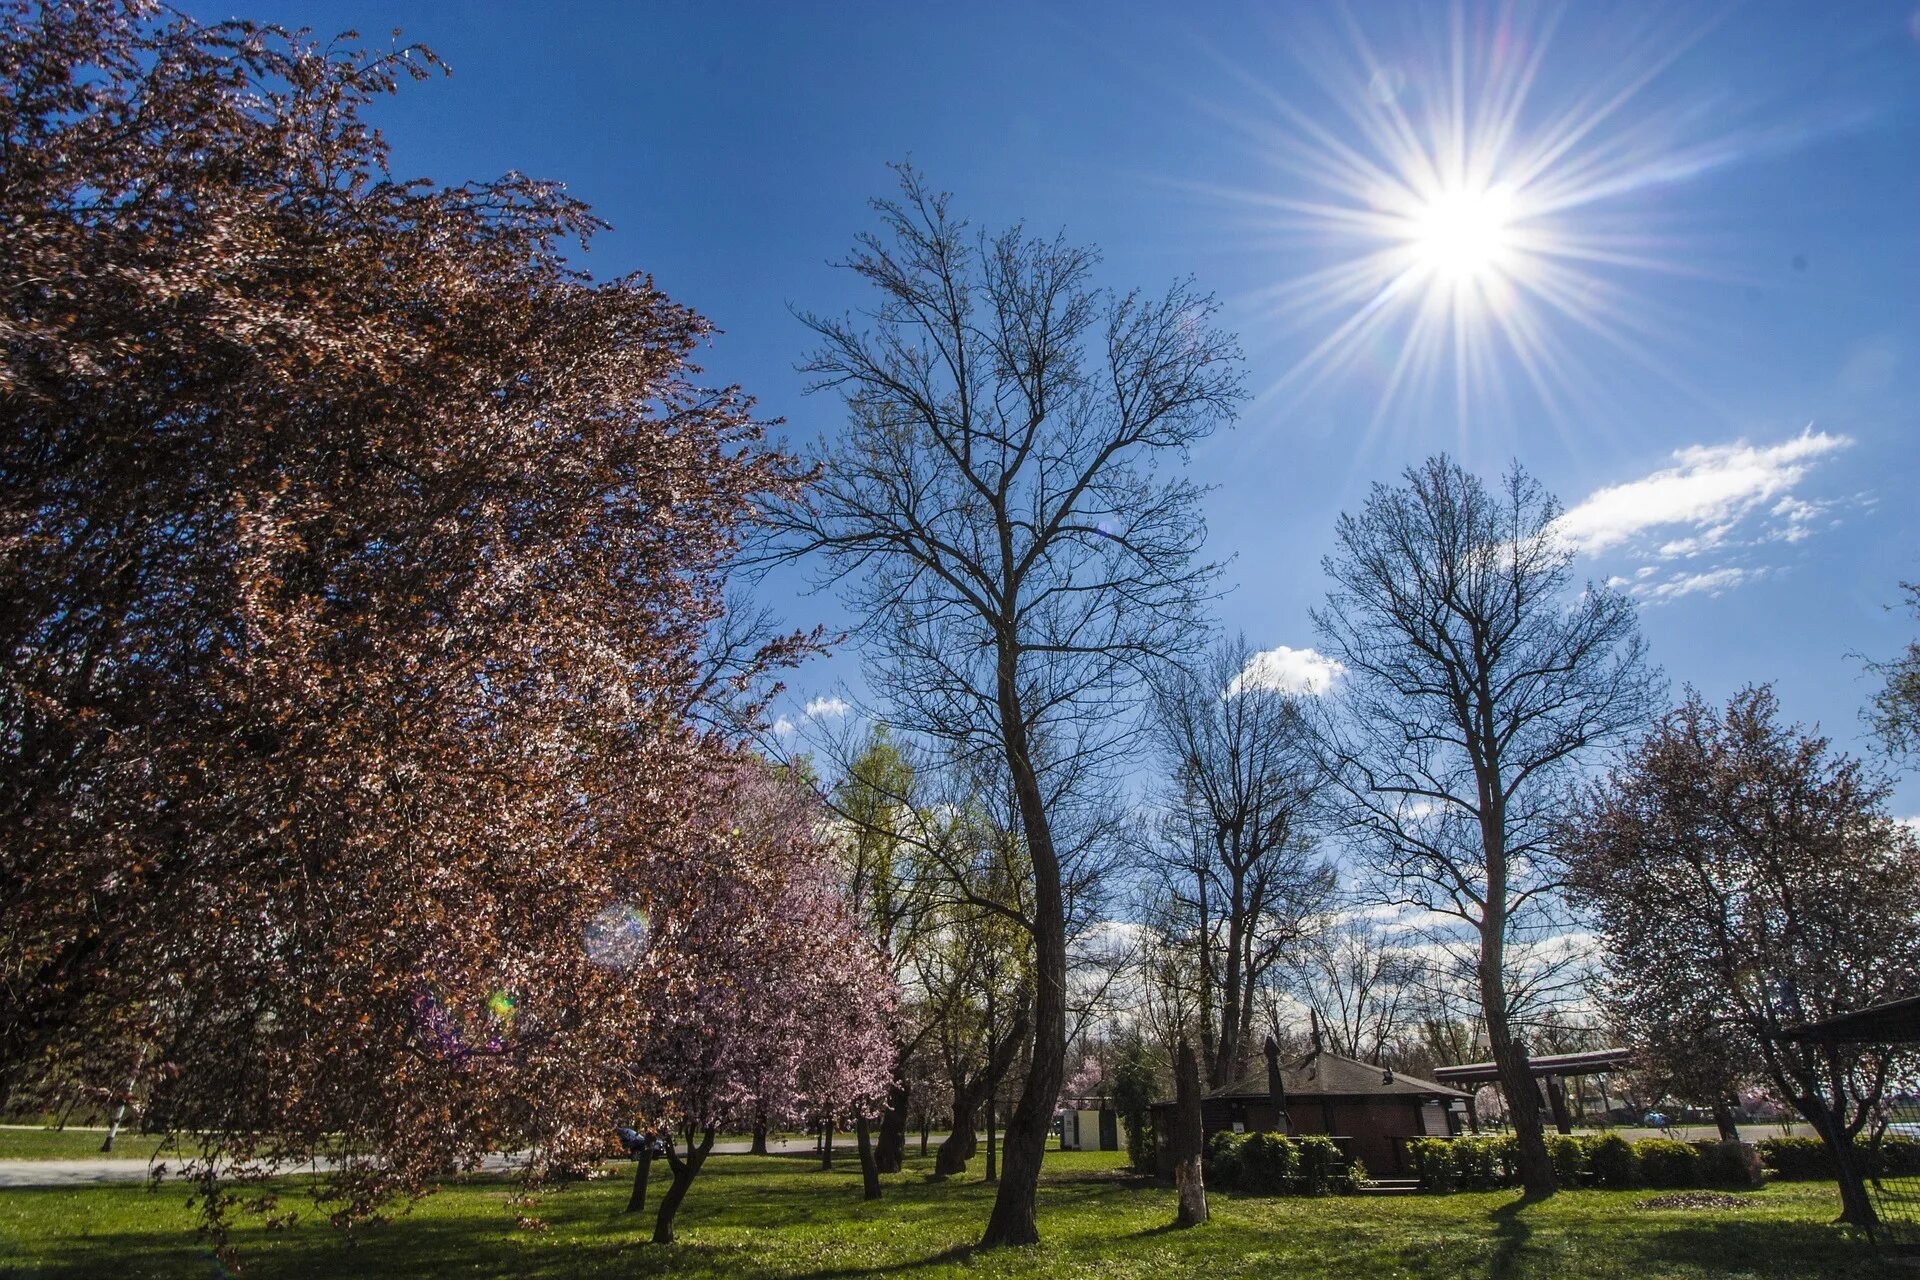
[(1737, 1246), (1510, 1236), (958, 1253)]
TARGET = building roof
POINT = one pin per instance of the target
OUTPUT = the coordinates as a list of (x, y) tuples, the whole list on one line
[(1550, 1064), (1323, 1074), (1890, 1022)]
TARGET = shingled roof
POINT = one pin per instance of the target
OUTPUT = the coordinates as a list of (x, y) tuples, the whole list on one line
[(1323, 1074)]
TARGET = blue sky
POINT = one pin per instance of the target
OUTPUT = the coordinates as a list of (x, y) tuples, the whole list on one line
[(1712, 252)]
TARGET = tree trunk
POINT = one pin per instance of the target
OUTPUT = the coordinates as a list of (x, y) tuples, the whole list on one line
[(759, 1147), (642, 1167), (869, 1167), (1723, 1118), (891, 1153), (683, 1175), (1516, 1076), (1856, 1206), (1188, 1139), (926, 1126), (993, 1166), (959, 1145), (826, 1144)]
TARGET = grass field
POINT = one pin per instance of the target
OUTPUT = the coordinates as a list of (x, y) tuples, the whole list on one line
[(74, 1144), (771, 1217)]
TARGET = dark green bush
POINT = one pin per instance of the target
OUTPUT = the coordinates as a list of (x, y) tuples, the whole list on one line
[(1615, 1164), (1504, 1152), (1797, 1159), (1667, 1163), (1220, 1159), (1432, 1160), (1140, 1146), (1318, 1157), (1893, 1158), (1728, 1164), (1481, 1163), (1569, 1155), (1269, 1164)]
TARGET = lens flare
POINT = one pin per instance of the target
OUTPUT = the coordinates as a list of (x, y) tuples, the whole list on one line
[(617, 937), (1462, 218)]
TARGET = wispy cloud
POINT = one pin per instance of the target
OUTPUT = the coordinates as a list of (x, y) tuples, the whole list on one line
[(1714, 502), (1708, 492), (1286, 670), (825, 708), (1712, 582), (784, 727)]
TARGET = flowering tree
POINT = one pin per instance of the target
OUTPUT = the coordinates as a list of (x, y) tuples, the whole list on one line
[(765, 1002), (1745, 878), (363, 566)]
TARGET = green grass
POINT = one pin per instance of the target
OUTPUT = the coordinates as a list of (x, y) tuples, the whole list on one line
[(775, 1217), (74, 1144)]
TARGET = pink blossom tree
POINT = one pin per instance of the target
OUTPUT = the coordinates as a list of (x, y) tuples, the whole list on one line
[(767, 1003)]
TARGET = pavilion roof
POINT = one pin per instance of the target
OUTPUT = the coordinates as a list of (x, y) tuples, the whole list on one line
[(1889, 1022), (1550, 1064), (1323, 1074)]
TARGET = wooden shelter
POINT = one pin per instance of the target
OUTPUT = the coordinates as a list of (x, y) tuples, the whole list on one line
[(1550, 1070), (1370, 1110)]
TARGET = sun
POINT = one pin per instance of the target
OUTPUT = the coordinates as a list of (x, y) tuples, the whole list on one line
[(1464, 236), (1466, 222)]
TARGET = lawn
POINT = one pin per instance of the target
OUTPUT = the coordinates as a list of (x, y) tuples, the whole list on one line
[(769, 1217), (74, 1144)]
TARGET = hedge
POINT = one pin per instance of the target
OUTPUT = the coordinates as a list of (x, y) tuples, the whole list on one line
[(1798, 1159), (1608, 1160), (1267, 1164), (1667, 1163), (1615, 1164)]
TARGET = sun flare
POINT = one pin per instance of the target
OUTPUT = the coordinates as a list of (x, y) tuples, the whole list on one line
[(1464, 235), (1468, 221)]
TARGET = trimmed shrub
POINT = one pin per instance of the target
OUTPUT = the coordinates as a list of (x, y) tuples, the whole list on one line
[(1665, 1162), (1318, 1155), (1432, 1160), (1615, 1163), (1480, 1164), (1506, 1157), (1729, 1164), (1895, 1157), (1798, 1159), (1269, 1164), (1569, 1156), (1795, 1159), (1220, 1159)]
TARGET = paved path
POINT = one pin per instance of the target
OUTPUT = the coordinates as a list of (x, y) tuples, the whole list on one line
[(82, 1173)]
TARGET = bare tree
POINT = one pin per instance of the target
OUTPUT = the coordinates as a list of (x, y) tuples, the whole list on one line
[(996, 510), (1361, 980), (1475, 678), (1232, 850)]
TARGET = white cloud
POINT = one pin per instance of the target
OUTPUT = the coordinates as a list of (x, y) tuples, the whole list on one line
[(784, 727), (824, 708), (1713, 582), (1708, 491), (1287, 670)]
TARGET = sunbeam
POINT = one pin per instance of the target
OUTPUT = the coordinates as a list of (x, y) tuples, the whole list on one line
[(1461, 232)]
